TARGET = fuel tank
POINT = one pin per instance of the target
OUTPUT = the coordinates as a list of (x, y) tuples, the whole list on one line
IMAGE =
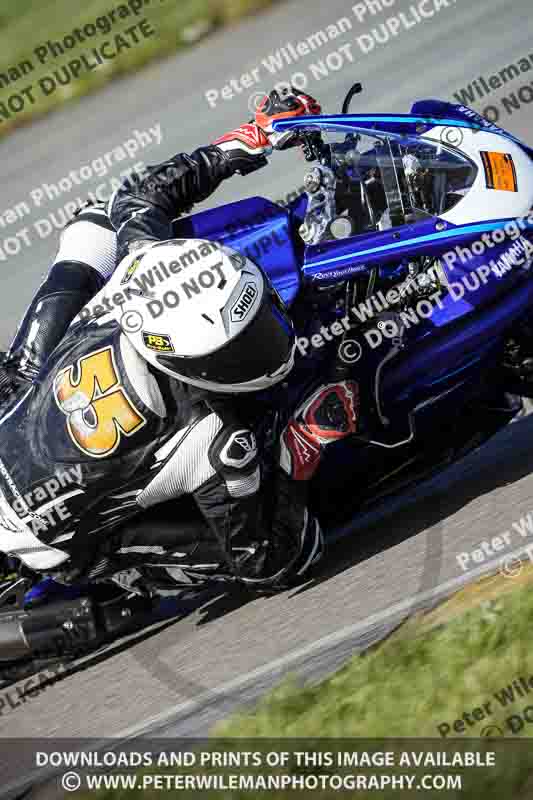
[(256, 228)]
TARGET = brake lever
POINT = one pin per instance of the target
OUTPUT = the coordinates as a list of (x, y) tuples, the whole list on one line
[(308, 150), (314, 148)]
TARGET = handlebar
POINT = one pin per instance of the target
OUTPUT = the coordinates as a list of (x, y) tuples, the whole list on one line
[(313, 145)]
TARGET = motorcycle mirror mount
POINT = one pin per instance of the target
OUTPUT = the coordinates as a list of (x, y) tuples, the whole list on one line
[(313, 146), (357, 88)]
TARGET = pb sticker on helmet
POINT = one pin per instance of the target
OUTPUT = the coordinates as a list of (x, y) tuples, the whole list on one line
[(245, 301), (159, 342)]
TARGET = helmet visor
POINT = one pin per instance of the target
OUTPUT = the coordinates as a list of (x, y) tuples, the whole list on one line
[(261, 349)]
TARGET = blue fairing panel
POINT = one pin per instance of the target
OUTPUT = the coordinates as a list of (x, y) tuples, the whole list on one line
[(332, 261), (455, 348), (452, 111), (425, 115), (256, 228), (474, 283), (393, 124)]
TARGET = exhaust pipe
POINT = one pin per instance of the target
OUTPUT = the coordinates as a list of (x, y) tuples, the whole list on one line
[(54, 630), (13, 643)]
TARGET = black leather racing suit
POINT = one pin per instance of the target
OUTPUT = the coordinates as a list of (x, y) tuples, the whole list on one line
[(196, 445), (178, 184)]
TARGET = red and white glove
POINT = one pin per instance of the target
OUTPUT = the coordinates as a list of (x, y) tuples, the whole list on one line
[(245, 148), (328, 415), (284, 105)]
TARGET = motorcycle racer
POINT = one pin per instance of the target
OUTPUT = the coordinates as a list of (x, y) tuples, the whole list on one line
[(174, 428)]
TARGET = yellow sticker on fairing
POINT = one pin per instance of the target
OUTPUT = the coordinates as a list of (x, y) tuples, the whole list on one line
[(500, 171)]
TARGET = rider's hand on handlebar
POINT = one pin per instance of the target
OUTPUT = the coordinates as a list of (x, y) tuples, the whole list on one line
[(284, 105), (245, 148)]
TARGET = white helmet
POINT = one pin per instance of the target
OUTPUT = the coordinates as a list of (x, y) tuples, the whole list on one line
[(204, 314)]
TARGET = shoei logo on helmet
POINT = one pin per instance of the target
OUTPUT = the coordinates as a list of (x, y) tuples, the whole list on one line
[(245, 301), (158, 342)]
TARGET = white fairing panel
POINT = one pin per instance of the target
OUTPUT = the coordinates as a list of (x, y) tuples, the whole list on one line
[(482, 203)]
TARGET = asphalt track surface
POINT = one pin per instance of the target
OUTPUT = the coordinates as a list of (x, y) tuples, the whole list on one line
[(193, 672)]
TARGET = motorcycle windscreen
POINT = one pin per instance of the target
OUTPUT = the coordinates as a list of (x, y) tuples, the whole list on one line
[(417, 177), (398, 178)]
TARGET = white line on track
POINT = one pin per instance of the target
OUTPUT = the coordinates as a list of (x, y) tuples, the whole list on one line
[(280, 665)]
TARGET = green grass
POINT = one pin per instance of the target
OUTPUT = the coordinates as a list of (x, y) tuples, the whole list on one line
[(430, 671), (27, 24)]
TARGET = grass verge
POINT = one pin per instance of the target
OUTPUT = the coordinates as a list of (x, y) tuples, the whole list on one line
[(429, 672), (463, 670), (34, 78)]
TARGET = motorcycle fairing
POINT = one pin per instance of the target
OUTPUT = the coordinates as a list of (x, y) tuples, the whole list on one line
[(452, 352), (456, 140), (256, 228), (418, 123), (390, 124), (459, 113), (324, 263), (422, 238), (332, 261)]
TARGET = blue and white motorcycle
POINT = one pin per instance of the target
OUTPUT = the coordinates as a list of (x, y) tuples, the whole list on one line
[(406, 263)]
